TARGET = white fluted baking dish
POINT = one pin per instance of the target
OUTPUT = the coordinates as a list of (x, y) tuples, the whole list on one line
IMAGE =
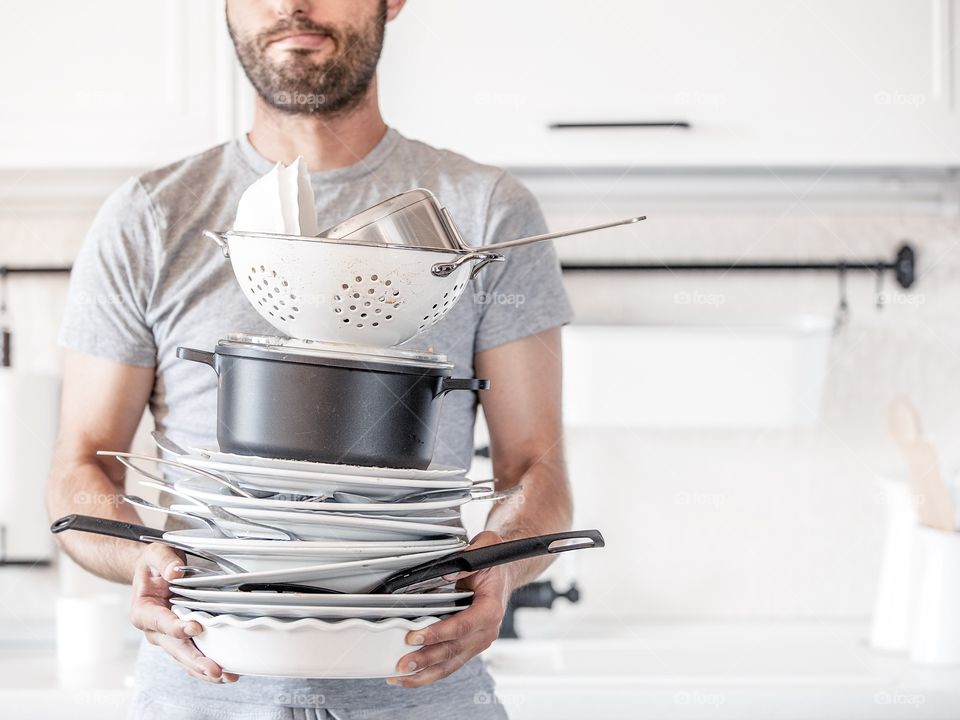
[(307, 648)]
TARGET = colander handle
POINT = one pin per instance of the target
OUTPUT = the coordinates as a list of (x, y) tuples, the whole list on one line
[(446, 268), (448, 383), (220, 240)]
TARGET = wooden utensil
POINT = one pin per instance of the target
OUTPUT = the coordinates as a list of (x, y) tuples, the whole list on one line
[(934, 504)]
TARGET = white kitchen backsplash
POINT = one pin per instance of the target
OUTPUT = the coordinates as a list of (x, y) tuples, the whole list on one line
[(757, 523)]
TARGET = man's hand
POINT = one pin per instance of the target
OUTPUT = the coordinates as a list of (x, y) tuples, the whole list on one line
[(150, 612), (450, 643)]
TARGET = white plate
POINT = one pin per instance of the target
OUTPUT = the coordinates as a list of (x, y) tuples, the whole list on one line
[(328, 526), (285, 481), (215, 494), (375, 488), (295, 612), (434, 472), (421, 600), (354, 576), (306, 648), (204, 539)]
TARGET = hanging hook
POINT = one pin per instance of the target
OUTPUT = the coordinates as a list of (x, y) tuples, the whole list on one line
[(881, 271), (3, 294), (843, 307), (6, 351)]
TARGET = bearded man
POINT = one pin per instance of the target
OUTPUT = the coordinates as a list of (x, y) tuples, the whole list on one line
[(145, 282)]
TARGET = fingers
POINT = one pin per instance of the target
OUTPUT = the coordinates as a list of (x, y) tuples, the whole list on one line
[(486, 610), (150, 612), (449, 644), (161, 560), (444, 659), (481, 539), (187, 654)]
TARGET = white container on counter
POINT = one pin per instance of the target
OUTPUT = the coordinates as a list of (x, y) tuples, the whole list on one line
[(722, 375), (936, 621), (893, 607), (91, 629)]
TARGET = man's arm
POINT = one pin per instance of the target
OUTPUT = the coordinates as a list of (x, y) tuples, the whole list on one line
[(523, 412), (525, 420), (102, 403)]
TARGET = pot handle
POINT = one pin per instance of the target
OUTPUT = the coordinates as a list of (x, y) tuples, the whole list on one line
[(200, 356), (220, 239), (444, 269), (448, 383)]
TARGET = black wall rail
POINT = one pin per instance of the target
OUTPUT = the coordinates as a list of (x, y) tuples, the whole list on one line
[(902, 266), (7, 270)]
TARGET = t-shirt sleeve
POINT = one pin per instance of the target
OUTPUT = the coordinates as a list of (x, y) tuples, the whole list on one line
[(523, 295), (112, 281)]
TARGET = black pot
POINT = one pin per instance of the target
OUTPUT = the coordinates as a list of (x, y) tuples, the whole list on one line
[(333, 407)]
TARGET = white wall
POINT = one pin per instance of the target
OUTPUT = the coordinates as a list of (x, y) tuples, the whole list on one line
[(761, 523)]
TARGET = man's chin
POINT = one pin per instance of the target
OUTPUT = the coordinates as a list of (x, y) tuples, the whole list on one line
[(298, 55)]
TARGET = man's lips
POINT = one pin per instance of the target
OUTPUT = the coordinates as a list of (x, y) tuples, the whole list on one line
[(307, 40)]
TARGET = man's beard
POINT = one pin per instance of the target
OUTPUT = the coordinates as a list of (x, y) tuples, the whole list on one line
[(296, 85)]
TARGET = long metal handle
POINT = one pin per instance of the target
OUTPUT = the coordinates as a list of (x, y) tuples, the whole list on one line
[(562, 233), (138, 501), (220, 240), (225, 565), (236, 489), (445, 268)]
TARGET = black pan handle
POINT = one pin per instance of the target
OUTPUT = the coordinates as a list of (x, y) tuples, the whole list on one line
[(200, 356), (448, 383), (491, 555), (105, 526)]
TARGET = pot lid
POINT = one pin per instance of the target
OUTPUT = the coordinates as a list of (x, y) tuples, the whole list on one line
[(337, 351)]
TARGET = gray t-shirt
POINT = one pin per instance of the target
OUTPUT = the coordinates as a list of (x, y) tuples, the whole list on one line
[(146, 281)]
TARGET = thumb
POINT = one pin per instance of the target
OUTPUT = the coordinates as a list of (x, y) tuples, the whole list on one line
[(163, 561), (481, 539)]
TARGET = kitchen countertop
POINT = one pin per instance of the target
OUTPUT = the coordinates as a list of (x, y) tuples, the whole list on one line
[(769, 670)]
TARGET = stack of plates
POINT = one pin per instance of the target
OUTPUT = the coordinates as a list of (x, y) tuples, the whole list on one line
[(314, 525)]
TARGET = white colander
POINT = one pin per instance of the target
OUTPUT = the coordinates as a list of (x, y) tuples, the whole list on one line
[(313, 289)]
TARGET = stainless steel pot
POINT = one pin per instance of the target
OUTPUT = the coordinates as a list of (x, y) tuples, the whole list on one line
[(417, 219)]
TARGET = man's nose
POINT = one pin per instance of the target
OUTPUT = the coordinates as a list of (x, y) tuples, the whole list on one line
[(289, 8)]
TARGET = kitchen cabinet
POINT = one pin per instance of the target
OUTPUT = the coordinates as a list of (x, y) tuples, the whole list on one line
[(737, 83), (113, 83)]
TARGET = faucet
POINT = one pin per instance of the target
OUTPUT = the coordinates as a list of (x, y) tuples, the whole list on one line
[(535, 595)]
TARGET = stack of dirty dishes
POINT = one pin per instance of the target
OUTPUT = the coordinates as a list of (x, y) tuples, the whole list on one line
[(309, 569)]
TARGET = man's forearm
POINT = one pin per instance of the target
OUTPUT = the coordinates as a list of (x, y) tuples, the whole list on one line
[(85, 488), (543, 506)]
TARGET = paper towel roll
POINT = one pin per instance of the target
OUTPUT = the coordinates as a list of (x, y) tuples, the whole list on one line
[(29, 412)]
